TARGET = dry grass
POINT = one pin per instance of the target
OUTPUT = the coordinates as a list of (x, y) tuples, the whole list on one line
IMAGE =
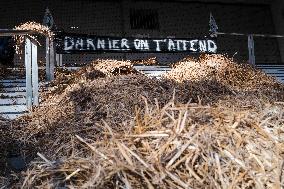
[(175, 146), (109, 126), (147, 62), (39, 29), (242, 77)]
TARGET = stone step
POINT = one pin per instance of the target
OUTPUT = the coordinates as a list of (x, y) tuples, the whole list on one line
[(12, 94), (270, 66), (12, 101), (14, 77), (13, 109), (154, 73), (272, 71), (13, 80), (11, 85), (152, 68), (12, 115), (13, 89)]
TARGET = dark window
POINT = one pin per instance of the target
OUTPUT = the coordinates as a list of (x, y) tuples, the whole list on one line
[(147, 19)]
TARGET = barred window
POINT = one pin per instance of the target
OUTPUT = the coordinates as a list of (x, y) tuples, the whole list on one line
[(147, 19)]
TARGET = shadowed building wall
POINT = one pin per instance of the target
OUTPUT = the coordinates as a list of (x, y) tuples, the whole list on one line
[(175, 19)]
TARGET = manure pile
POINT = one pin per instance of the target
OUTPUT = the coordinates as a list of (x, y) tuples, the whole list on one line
[(205, 124)]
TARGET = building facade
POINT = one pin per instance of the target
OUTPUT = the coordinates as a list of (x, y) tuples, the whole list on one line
[(158, 18)]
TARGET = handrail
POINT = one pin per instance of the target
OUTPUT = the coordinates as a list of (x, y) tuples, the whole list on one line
[(254, 35), (31, 65), (13, 32)]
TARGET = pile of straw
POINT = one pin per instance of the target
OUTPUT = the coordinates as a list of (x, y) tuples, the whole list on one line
[(222, 69), (113, 67), (175, 146), (147, 62), (110, 126), (97, 69), (38, 29), (5, 145)]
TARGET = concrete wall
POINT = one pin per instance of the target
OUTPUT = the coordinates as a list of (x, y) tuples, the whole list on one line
[(277, 9)]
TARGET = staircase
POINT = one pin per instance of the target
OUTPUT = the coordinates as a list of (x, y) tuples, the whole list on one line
[(153, 71), (276, 71), (12, 95)]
